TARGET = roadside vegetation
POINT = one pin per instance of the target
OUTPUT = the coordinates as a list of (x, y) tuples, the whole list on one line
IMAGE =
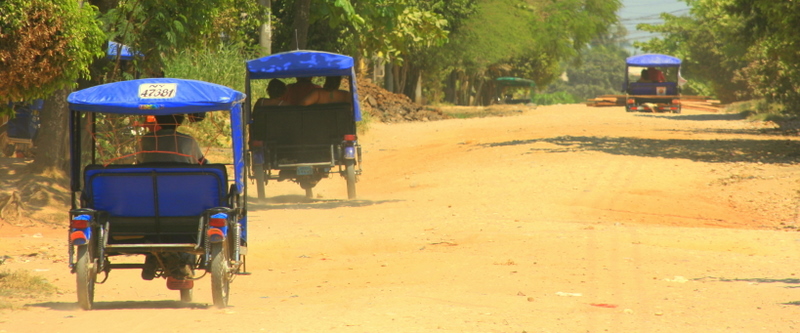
[(21, 285), (435, 52)]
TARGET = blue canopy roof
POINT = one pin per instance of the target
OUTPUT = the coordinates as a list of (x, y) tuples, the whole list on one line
[(125, 51), (300, 64), (653, 60), (155, 96)]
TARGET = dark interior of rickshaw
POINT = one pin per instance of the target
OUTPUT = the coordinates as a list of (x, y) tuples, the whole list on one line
[(651, 88), (320, 125), (154, 202)]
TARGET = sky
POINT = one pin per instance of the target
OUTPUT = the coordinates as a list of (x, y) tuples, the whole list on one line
[(634, 12)]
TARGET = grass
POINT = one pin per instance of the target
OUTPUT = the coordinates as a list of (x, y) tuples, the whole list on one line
[(21, 285)]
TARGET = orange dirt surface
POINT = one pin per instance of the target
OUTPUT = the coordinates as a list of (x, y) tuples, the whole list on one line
[(563, 218)]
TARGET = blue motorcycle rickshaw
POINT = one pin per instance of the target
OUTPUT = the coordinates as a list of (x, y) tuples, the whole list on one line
[(181, 217), (303, 144)]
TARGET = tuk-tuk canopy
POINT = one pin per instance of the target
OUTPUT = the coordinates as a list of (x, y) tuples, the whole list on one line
[(155, 96), (125, 51), (515, 82), (300, 64), (653, 60), (162, 96)]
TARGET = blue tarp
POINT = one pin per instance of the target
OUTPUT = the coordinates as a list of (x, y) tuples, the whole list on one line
[(305, 64), (155, 96), (163, 96), (653, 60), (300, 63), (125, 52)]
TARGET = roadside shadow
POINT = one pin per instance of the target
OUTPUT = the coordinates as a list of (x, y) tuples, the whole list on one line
[(697, 117), (123, 305), (711, 151), (302, 202), (794, 281)]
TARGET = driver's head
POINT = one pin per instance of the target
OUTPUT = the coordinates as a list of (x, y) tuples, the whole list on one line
[(170, 121)]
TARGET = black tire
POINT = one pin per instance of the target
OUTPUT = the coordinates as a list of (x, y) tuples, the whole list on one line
[(187, 295), (258, 170), (85, 277), (350, 175), (220, 282)]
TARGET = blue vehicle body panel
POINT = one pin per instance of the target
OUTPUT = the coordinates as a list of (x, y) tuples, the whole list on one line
[(148, 191)]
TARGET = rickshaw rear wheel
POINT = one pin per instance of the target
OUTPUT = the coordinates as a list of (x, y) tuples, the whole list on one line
[(220, 283), (186, 295), (85, 277), (350, 175), (308, 185), (258, 172)]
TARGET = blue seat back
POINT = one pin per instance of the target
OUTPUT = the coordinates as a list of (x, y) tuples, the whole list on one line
[(155, 190)]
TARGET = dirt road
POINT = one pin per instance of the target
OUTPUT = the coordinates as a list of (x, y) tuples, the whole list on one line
[(554, 219)]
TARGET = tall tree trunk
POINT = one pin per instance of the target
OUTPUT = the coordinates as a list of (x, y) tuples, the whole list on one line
[(265, 32), (302, 9), (52, 139), (388, 77), (418, 89)]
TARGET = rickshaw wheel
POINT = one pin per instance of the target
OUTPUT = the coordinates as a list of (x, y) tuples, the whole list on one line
[(350, 175), (308, 185), (220, 283), (258, 172), (186, 295), (85, 276)]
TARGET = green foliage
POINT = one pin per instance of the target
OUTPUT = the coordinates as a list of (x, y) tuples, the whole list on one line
[(161, 28), (774, 54), (710, 43), (45, 45), (21, 284), (224, 65), (600, 73), (559, 97), (528, 39)]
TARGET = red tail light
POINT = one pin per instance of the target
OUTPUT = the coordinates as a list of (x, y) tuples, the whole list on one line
[(631, 101), (79, 224), (349, 137), (151, 119), (676, 101), (216, 222)]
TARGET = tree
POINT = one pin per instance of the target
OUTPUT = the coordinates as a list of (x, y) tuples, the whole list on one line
[(45, 46), (530, 39), (774, 54), (710, 44)]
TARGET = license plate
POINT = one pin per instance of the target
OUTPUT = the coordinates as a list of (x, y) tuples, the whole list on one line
[(305, 170)]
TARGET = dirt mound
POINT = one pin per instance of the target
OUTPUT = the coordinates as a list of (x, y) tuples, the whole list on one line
[(30, 199), (389, 107)]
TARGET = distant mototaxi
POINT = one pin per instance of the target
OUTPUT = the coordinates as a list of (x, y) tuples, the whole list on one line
[(303, 144), (652, 83)]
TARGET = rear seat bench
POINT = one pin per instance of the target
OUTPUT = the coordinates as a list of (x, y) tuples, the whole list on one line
[(292, 127), (156, 202)]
